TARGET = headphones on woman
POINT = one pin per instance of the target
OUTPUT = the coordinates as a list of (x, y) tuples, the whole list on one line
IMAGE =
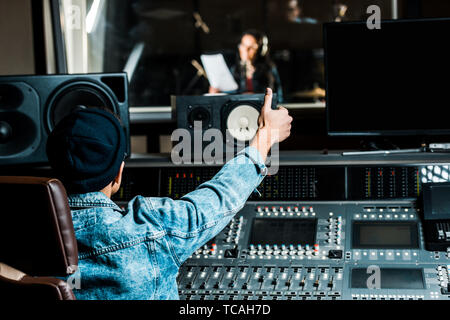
[(264, 45)]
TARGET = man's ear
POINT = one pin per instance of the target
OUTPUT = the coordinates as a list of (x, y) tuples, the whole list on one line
[(118, 178)]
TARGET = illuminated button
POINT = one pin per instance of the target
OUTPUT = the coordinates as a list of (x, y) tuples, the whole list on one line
[(259, 209), (373, 255), (389, 255)]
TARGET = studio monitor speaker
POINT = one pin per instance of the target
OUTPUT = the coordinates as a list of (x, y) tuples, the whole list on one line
[(236, 116), (31, 106)]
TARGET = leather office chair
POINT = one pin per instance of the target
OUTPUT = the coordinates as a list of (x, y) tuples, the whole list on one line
[(37, 238)]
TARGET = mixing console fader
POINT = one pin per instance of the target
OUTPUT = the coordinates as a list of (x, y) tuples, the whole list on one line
[(369, 250)]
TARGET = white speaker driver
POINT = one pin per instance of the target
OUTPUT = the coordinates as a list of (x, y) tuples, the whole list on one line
[(242, 122)]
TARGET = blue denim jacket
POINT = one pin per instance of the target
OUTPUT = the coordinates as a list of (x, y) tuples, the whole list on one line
[(136, 253)]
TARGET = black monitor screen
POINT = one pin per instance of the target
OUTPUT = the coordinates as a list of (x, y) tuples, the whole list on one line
[(390, 278), (436, 201), (283, 231), (385, 235), (388, 81)]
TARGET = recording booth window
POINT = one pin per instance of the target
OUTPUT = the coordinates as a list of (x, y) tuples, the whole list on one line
[(159, 43)]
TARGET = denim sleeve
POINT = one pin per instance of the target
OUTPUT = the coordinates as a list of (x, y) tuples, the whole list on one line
[(201, 214)]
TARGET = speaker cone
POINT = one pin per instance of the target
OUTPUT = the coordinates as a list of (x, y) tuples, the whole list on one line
[(242, 122), (200, 114), (77, 96)]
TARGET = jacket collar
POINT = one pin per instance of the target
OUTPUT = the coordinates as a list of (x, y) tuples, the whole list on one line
[(90, 200)]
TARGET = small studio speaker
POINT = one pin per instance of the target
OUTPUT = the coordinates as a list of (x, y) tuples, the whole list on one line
[(31, 106), (236, 114)]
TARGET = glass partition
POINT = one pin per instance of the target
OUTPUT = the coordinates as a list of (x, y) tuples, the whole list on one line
[(159, 42)]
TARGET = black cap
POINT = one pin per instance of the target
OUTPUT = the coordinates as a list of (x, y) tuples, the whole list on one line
[(86, 149)]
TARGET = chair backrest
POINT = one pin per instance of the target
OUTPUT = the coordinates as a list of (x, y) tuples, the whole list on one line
[(36, 235)]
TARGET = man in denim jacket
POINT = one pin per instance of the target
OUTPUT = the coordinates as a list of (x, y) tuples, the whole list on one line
[(135, 253)]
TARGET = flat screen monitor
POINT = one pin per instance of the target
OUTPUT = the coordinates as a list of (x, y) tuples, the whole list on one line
[(283, 231), (389, 81)]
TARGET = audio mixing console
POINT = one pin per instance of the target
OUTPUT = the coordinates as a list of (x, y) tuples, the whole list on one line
[(318, 250), (315, 232)]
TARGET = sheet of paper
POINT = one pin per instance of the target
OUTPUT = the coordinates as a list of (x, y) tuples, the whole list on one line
[(219, 75)]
